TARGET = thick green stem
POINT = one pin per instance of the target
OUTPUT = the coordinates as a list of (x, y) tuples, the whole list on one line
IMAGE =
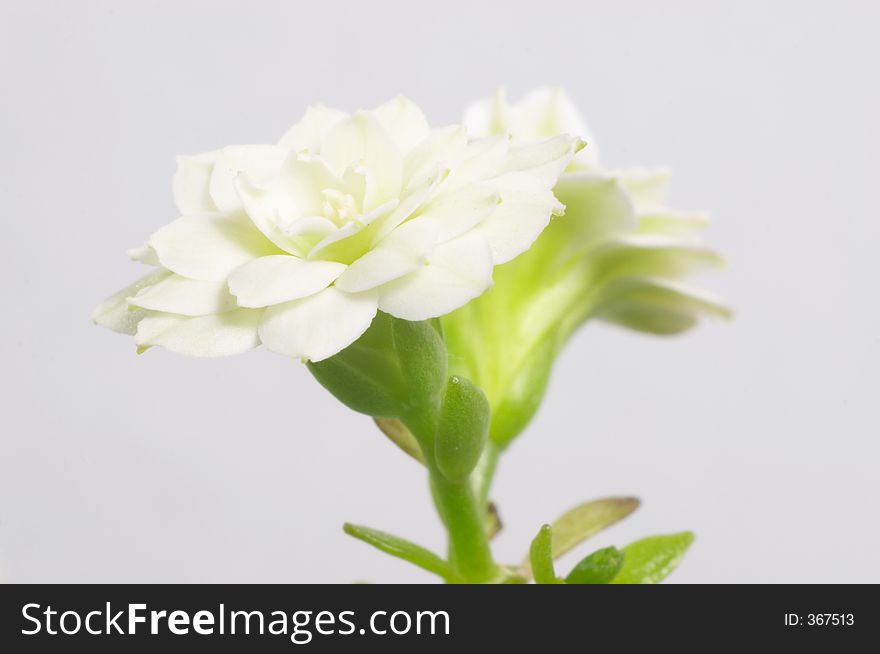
[(464, 517), (461, 508)]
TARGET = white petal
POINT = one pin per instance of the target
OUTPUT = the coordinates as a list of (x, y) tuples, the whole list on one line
[(685, 226), (525, 210), (280, 278), (413, 200), (361, 139), (188, 297), (277, 206), (545, 159), (308, 134), (214, 335), (318, 326), (441, 148), (144, 254), (404, 120), (208, 247), (459, 210), (191, 183), (353, 240), (259, 162), (459, 271), (488, 117), (597, 208), (404, 250), (114, 312), (480, 160), (547, 112), (647, 188)]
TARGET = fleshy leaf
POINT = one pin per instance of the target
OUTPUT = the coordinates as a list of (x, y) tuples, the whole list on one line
[(587, 520), (541, 557), (650, 560), (600, 567), (461, 429), (403, 549)]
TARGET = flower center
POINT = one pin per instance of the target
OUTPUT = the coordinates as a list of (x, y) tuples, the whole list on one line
[(338, 207)]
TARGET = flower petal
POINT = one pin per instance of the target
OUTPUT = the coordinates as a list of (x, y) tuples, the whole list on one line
[(480, 160), (404, 250), (188, 297), (647, 188), (191, 183), (318, 326), (308, 134), (277, 205), (404, 120), (685, 226), (461, 209), (525, 210), (440, 148), (362, 139), (280, 278), (214, 335), (459, 271), (208, 247), (144, 254), (489, 116), (650, 255), (547, 112), (259, 162), (114, 312), (655, 306), (545, 159)]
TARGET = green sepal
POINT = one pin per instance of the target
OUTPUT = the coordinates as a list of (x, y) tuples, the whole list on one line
[(462, 428), (600, 567), (421, 355), (541, 557), (404, 549), (650, 560), (395, 367)]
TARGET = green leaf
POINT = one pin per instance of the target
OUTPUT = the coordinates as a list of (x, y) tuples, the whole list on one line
[(650, 560), (404, 549), (398, 434), (461, 429), (600, 567), (588, 519), (541, 557)]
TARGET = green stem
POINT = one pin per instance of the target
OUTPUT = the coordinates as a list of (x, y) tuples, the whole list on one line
[(484, 473), (461, 508)]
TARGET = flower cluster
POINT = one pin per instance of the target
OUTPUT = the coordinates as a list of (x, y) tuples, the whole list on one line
[(618, 254), (298, 245)]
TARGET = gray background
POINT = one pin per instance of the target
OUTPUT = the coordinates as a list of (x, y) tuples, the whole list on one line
[(760, 435)]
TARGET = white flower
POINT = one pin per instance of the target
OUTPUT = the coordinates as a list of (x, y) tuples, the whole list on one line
[(297, 245)]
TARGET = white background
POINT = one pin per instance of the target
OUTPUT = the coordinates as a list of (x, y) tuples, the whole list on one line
[(760, 435)]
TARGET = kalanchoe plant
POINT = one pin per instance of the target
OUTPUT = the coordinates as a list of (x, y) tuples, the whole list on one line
[(367, 245)]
